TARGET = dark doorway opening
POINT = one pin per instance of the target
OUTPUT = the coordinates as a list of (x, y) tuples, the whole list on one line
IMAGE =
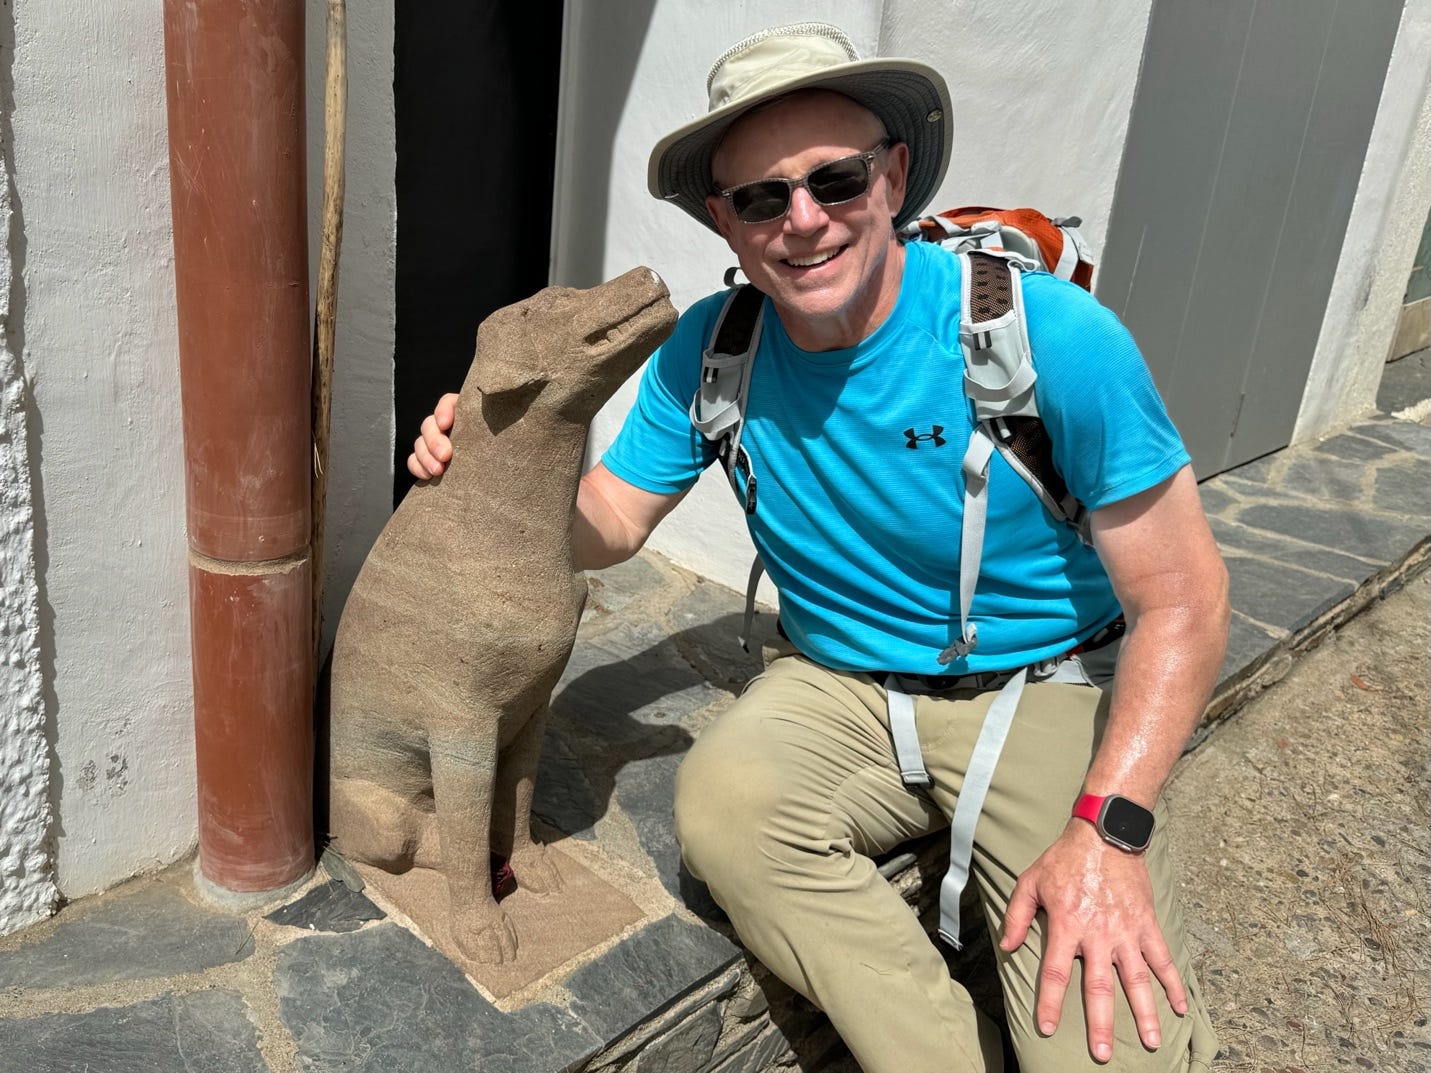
[(475, 89)]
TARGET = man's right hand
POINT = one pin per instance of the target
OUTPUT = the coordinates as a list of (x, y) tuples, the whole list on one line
[(433, 450)]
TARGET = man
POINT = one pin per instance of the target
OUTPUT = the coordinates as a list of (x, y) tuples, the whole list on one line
[(783, 801)]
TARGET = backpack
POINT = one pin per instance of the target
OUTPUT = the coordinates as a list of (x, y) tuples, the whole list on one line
[(995, 247)]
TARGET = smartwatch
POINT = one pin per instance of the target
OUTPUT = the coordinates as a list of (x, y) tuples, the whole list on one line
[(1119, 822)]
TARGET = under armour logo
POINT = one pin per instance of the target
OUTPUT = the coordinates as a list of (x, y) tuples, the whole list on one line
[(915, 438)]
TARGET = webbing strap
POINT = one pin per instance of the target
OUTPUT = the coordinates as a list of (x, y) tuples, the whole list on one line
[(983, 761), (985, 758), (971, 540), (757, 568), (907, 753), (1067, 257)]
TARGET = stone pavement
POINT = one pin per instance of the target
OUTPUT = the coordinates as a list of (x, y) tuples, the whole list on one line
[(148, 977)]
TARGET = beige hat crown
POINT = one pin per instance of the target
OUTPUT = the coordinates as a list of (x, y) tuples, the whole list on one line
[(908, 97)]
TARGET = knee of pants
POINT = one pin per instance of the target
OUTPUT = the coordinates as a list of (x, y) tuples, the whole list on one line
[(723, 818)]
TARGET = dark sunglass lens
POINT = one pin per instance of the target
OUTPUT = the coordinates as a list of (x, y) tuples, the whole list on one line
[(840, 180), (759, 202)]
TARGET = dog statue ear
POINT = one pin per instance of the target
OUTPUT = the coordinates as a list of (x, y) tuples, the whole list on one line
[(500, 377)]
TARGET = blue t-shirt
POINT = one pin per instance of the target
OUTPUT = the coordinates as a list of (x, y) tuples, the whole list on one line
[(857, 454)]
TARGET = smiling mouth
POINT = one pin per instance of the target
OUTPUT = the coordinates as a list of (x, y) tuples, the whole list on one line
[(814, 260)]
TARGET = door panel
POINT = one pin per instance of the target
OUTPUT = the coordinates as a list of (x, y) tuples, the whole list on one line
[(1246, 142)]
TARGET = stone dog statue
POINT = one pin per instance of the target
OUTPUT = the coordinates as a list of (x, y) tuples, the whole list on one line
[(464, 614)]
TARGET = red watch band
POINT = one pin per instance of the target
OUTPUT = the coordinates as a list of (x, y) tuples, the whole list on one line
[(1089, 807)]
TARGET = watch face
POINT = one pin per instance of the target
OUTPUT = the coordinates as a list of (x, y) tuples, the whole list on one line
[(1127, 823)]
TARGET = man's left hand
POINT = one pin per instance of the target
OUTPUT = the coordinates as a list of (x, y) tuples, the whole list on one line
[(1098, 906)]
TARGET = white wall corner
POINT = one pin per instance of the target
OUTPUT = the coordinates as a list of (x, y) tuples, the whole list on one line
[(27, 885), (1388, 213)]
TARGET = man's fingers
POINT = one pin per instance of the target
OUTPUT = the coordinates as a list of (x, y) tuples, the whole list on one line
[(420, 463), (435, 438), (1100, 991), (1054, 975), (1160, 960), (1137, 983), (1023, 904), (446, 411)]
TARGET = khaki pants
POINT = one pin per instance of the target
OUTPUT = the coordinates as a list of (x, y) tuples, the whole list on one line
[(783, 800)]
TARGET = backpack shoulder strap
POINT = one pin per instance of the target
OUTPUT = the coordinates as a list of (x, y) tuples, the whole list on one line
[(718, 408), (999, 381), (999, 376)]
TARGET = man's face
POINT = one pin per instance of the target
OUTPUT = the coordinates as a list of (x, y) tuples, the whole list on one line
[(832, 271)]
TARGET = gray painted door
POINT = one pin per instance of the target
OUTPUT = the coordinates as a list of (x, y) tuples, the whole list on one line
[(1248, 135)]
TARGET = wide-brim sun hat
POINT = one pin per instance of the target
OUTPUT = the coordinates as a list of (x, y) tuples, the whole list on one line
[(910, 98)]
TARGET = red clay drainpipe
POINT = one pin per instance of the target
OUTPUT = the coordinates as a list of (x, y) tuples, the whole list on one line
[(234, 76)]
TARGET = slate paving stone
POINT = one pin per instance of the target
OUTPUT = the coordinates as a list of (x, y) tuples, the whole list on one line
[(631, 678), (331, 907), (564, 797), (201, 1032), (614, 588), (1353, 448), (1404, 488), (380, 1000), (153, 931), (708, 621), (1340, 482), (687, 1048), (1258, 471), (1380, 538), (646, 792), (1252, 491), (1216, 500), (1408, 435), (1405, 382), (1233, 538), (1247, 642), (1287, 596), (644, 973)]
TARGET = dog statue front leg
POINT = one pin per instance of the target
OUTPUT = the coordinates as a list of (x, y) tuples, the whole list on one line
[(463, 770)]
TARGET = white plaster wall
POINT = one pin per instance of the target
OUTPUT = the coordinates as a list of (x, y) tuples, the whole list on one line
[(1383, 231), (27, 889), (1042, 94), (1041, 110), (360, 467), (92, 194)]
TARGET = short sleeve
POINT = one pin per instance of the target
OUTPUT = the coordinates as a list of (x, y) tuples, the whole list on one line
[(658, 449), (1111, 434)]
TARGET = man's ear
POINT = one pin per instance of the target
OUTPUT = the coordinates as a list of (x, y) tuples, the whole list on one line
[(897, 176), (719, 210)]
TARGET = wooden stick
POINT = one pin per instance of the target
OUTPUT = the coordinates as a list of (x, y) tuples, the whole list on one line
[(326, 312)]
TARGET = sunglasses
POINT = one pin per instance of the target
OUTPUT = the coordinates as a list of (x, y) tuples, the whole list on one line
[(832, 183)]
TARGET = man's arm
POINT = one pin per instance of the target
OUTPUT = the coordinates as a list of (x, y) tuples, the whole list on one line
[(1166, 570), (613, 518)]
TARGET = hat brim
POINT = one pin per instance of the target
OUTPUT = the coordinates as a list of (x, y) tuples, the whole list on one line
[(909, 98)]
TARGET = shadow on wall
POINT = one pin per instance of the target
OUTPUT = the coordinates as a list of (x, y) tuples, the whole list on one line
[(605, 42), (12, 347)]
